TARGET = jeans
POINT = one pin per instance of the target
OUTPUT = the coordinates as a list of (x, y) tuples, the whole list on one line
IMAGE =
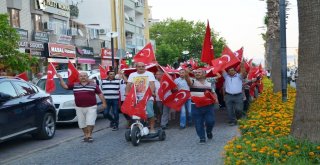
[(183, 115), (203, 117), (234, 105), (114, 118)]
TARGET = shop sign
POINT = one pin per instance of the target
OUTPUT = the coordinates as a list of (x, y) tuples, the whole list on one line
[(64, 39), (40, 36), (106, 53), (84, 51), (55, 7), (23, 34), (60, 50)]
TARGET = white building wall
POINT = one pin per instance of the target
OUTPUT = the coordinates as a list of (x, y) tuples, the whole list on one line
[(25, 18), (3, 7)]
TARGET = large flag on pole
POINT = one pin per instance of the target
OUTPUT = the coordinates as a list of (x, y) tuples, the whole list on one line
[(207, 54), (145, 55), (50, 85)]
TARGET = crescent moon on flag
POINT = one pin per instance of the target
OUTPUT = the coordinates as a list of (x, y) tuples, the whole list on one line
[(165, 85), (148, 55), (228, 57), (183, 93), (69, 72)]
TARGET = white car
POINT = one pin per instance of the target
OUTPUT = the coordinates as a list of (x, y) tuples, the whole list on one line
[(64, 99)]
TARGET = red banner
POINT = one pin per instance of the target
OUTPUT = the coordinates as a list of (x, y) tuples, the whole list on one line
[(106, 53)]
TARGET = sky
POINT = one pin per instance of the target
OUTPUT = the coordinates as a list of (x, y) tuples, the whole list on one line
[(240, 22)]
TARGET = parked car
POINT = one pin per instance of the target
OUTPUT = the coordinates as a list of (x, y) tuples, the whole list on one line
[(25, 108), (64, 99)]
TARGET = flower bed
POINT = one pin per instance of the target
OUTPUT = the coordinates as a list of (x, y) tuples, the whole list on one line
[(265, 133)]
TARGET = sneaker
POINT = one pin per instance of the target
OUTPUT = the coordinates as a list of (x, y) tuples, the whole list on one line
[(90, 140), (85, 140), (115, 128), (164, 127), (232, 123), (202, 141), (209, 135)]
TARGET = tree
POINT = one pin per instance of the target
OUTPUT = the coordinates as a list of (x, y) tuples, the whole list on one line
[(306, 120), (174, 36), (10, 57)]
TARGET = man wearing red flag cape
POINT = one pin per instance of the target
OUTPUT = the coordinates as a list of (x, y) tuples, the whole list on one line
[(203, 115), (142, 79)]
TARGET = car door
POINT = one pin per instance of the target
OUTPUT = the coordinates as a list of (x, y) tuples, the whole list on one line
[(8, 109), (28, 100)]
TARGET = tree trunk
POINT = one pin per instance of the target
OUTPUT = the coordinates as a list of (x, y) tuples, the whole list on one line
[(274, 43), (306, 120)]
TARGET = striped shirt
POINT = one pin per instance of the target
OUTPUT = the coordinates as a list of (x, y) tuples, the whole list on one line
[(85, 95), (111, 88), (197, 88)]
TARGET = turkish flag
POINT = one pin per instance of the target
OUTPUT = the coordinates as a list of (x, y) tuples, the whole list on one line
[(252, 88), (166, 84), (253, 73), (207, 99), (123, 64), (145, 55), (50, 85), (130, 102), (176, 100), (140, 108), (23, 76), (103, 72), (229, 57), (218, 65), (239, 53), (73, 74), (207, 54)]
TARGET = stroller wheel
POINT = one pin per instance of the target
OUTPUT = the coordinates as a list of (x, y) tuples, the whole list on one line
[(135, 136), (127, 135)]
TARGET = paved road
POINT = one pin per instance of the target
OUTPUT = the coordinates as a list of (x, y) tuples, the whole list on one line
[(110, 147)]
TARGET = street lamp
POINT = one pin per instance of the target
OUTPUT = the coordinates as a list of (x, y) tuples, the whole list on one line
[(112, 35), (185, 53)]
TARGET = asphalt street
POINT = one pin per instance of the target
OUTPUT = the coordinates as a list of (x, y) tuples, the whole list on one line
[(110, 147)]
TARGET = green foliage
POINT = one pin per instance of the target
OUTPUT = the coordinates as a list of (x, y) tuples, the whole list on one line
[(10, 57), (175, 36)]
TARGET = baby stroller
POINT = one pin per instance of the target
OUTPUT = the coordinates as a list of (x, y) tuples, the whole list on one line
[(139, 130)]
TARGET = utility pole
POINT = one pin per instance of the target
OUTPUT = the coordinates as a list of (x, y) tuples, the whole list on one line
[(283, 49)]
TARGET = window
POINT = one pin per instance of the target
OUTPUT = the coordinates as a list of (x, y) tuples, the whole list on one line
[(7, 89), (24, 89), (59, 27), (14, 18), (37, 22)]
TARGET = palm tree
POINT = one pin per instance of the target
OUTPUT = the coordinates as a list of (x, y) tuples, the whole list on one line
[(273, 43), (306, 120)]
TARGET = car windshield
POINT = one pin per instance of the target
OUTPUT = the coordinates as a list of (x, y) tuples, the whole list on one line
[(59, 90)]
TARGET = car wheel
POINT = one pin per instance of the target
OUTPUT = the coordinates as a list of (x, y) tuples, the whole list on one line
[(47, 128)]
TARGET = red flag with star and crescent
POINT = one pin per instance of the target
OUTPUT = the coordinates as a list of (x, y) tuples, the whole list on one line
[(50, 85), (166, 84), (103, 72), (239, 53), (207, 54), (229, 57), (140, 108), (23, 76), (73, 74), (130, 102), (145, 55), (207, 99), (177, 99)]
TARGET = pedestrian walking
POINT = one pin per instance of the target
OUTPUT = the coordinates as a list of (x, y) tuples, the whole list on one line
[(36, 78), (204, 116), (142, 79), (185, 112), (86, 104), (233, 93), (111, 91)]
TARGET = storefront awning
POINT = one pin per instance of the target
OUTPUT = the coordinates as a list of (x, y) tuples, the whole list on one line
[(86, 61)]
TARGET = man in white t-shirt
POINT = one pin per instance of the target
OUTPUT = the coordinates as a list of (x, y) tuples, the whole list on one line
[(142, 79)]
